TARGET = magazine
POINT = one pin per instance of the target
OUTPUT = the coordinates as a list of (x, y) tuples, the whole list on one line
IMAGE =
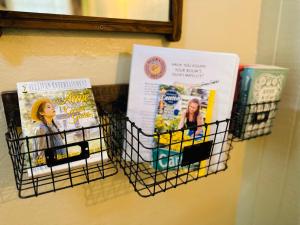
[(183, 109), (152, 66), (49, 111)]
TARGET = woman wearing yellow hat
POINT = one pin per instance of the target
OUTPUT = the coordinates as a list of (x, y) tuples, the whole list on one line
[(43, 113)]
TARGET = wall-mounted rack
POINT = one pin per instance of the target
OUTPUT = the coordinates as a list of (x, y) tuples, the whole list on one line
[(122, 142)]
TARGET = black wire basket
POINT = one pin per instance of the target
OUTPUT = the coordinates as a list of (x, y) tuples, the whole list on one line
[(252, 120), (153, 163), (54, 173), (172, 158)]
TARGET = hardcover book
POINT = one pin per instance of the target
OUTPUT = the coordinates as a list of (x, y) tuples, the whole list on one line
[(261, 88), (182, 109), (60, 119)]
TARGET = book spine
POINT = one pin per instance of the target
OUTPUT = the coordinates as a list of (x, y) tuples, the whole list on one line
[(233, 122), (241, 115)]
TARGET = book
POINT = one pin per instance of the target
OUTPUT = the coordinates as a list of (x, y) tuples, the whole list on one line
[(260, 90), (183, 109), (60, 120), (152, 66), (234, 113)]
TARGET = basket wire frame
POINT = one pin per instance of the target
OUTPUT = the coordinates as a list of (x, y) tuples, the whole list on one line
[(125, 143), (250, 121), (145, 176), (29, 185)]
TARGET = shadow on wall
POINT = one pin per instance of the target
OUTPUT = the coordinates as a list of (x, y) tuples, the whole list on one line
[(123, 68), (105, 190), (7, 184)]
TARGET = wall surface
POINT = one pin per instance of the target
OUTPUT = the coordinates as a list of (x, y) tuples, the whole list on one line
[(227, 26), (270, 191)]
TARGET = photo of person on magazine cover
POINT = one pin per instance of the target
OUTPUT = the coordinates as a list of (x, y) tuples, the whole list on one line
[(192, 118), (43, 114)]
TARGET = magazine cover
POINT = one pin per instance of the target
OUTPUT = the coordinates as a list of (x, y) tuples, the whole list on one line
[(47, 108), (183, 109)]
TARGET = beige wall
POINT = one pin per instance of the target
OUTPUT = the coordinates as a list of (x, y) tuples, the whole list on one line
[(271, 186), (229, 26)]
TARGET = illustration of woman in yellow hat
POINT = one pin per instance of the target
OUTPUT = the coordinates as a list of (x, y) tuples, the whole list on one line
[(43, 113)]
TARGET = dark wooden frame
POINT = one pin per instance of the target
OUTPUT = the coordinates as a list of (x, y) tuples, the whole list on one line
[(171, 29)]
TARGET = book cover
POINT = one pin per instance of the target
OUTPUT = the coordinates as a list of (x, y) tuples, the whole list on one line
[(235, 118), (152, 66), (182, 109), (49, 110), (261, 87)]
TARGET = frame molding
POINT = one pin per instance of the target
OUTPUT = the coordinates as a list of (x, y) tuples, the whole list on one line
[(171, 29)]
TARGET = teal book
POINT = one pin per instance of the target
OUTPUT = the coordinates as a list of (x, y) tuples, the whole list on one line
[(261, 89)]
